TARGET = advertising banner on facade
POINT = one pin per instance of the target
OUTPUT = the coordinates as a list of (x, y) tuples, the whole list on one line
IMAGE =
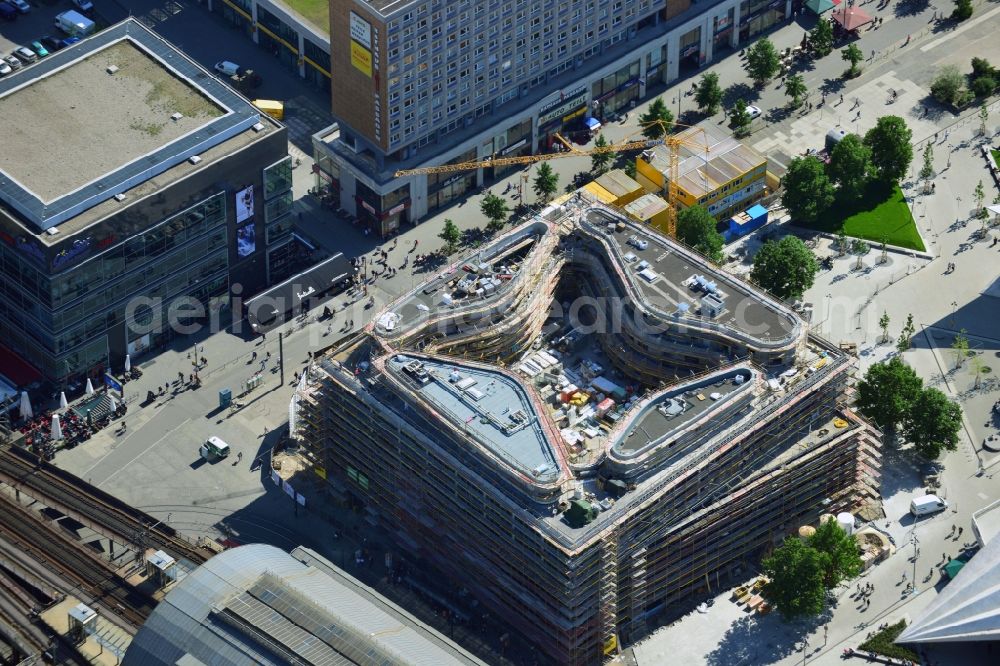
[(361, 58), (244, 204), (246, 240), (361, 31)]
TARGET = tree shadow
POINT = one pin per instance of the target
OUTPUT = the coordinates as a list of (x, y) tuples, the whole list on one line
[(741, 90), (754, 639), (832, 86), (910, 8), (473, 236), (778, 114)]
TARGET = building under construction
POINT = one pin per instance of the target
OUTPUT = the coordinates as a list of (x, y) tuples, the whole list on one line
[(587, 426)]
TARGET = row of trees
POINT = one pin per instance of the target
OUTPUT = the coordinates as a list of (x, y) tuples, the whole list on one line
[(950, 86), (884, 155), (893, 396), (801, 572)]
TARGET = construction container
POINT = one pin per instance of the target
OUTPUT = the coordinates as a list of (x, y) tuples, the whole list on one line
[(620, 186), (651, 209), (271, 107)]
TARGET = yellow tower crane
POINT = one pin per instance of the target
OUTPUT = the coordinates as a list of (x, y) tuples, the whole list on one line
[(672, 142)]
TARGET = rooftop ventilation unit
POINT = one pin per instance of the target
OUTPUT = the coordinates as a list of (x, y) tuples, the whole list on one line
[(112, 69), (712, 306), (258, 127), (194, 159), (52, 231)]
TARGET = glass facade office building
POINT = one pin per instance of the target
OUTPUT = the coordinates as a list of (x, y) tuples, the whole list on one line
[(128, 260)]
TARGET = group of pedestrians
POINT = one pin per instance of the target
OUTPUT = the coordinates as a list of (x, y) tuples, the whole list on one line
[(864, 593)]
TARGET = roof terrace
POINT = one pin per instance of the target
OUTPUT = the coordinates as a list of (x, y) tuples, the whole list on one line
[(489, 406)]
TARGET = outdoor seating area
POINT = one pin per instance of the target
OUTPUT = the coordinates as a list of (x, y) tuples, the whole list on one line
[(67, 426)]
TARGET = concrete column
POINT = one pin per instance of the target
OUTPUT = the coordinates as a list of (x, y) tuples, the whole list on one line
[(254, 33), (707, 34), (734, 38), (302, 52), (348, 189), (643, 59), (418, 197), (673, 58)]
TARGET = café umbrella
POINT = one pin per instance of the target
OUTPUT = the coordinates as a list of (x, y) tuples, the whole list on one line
[(90, 387), (25, 407), (56, 428), (63, 402), (128, 363)]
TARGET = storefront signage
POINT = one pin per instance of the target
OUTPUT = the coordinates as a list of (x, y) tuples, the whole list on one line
[(722, 24), (688, 50), (361, 31), (377, 94), (113, 383), (514, 146), (31, 249), (367, 206), (79, 247), (564, 98), (398, 208), (361, 58), (570, 104)]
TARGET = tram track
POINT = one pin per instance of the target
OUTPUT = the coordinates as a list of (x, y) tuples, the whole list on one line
[(51, 485), (91, 576)]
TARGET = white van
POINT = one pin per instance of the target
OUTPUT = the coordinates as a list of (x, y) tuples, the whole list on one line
[(214, 449), (927, 504)]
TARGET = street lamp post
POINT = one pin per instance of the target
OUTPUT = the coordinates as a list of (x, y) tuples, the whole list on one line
[(916, 554)]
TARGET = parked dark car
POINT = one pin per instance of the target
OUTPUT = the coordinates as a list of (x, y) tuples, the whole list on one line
[(51, 43), (14, 63), (26, 55)]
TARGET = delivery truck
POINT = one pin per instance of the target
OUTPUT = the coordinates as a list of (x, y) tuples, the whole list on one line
[(927, 504), (74, 24)]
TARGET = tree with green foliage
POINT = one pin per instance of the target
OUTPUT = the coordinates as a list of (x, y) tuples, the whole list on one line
[(906, 335), (795, 575), (709, 94), (808, 191), (983, 86), (853, 55), (838, 551), (932, 423), (977, 367), (960, 345), (795, 87), (739, 118), (860, 248), (883, 323), (494, 209), (979, 194), (946, 84), (786, 268), (600, 160), (927, 170), (842, 243), (821, 37), (657, 119), (984, 118), (696, 227), (886, 393), (891, 148), (450, 235), (963, 10), (850, 166), (546, 181), (762, 62)]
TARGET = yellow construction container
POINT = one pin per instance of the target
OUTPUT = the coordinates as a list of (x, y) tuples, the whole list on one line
[(625, 190), (600, 193), (651, 209), (271, 107)]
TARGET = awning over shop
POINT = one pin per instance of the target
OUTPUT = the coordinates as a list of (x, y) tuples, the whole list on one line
[(819, 6), (298, 291), (593, 124), (850, 18)]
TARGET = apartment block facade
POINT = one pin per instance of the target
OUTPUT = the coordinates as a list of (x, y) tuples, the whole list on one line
[(431, 82)]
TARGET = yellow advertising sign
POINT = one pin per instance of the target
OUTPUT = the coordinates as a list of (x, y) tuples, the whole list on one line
[(361, 58)]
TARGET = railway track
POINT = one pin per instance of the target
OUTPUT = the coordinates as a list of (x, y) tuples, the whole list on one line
[(65, 555), (48, 483)]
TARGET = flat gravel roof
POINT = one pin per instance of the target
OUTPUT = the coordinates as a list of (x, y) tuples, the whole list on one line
[(82, 122)]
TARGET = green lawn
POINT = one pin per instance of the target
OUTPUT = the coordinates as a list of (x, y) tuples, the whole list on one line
[(996, 156), (316, 12), (881, 214)]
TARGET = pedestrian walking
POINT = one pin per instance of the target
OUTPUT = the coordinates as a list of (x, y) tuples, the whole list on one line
[(265, 431), (239, 456), (960, 529), (841, 99)]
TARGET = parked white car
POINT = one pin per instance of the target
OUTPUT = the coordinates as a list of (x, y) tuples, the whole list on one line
[(227, 68), (753, 111), (20, 5)]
